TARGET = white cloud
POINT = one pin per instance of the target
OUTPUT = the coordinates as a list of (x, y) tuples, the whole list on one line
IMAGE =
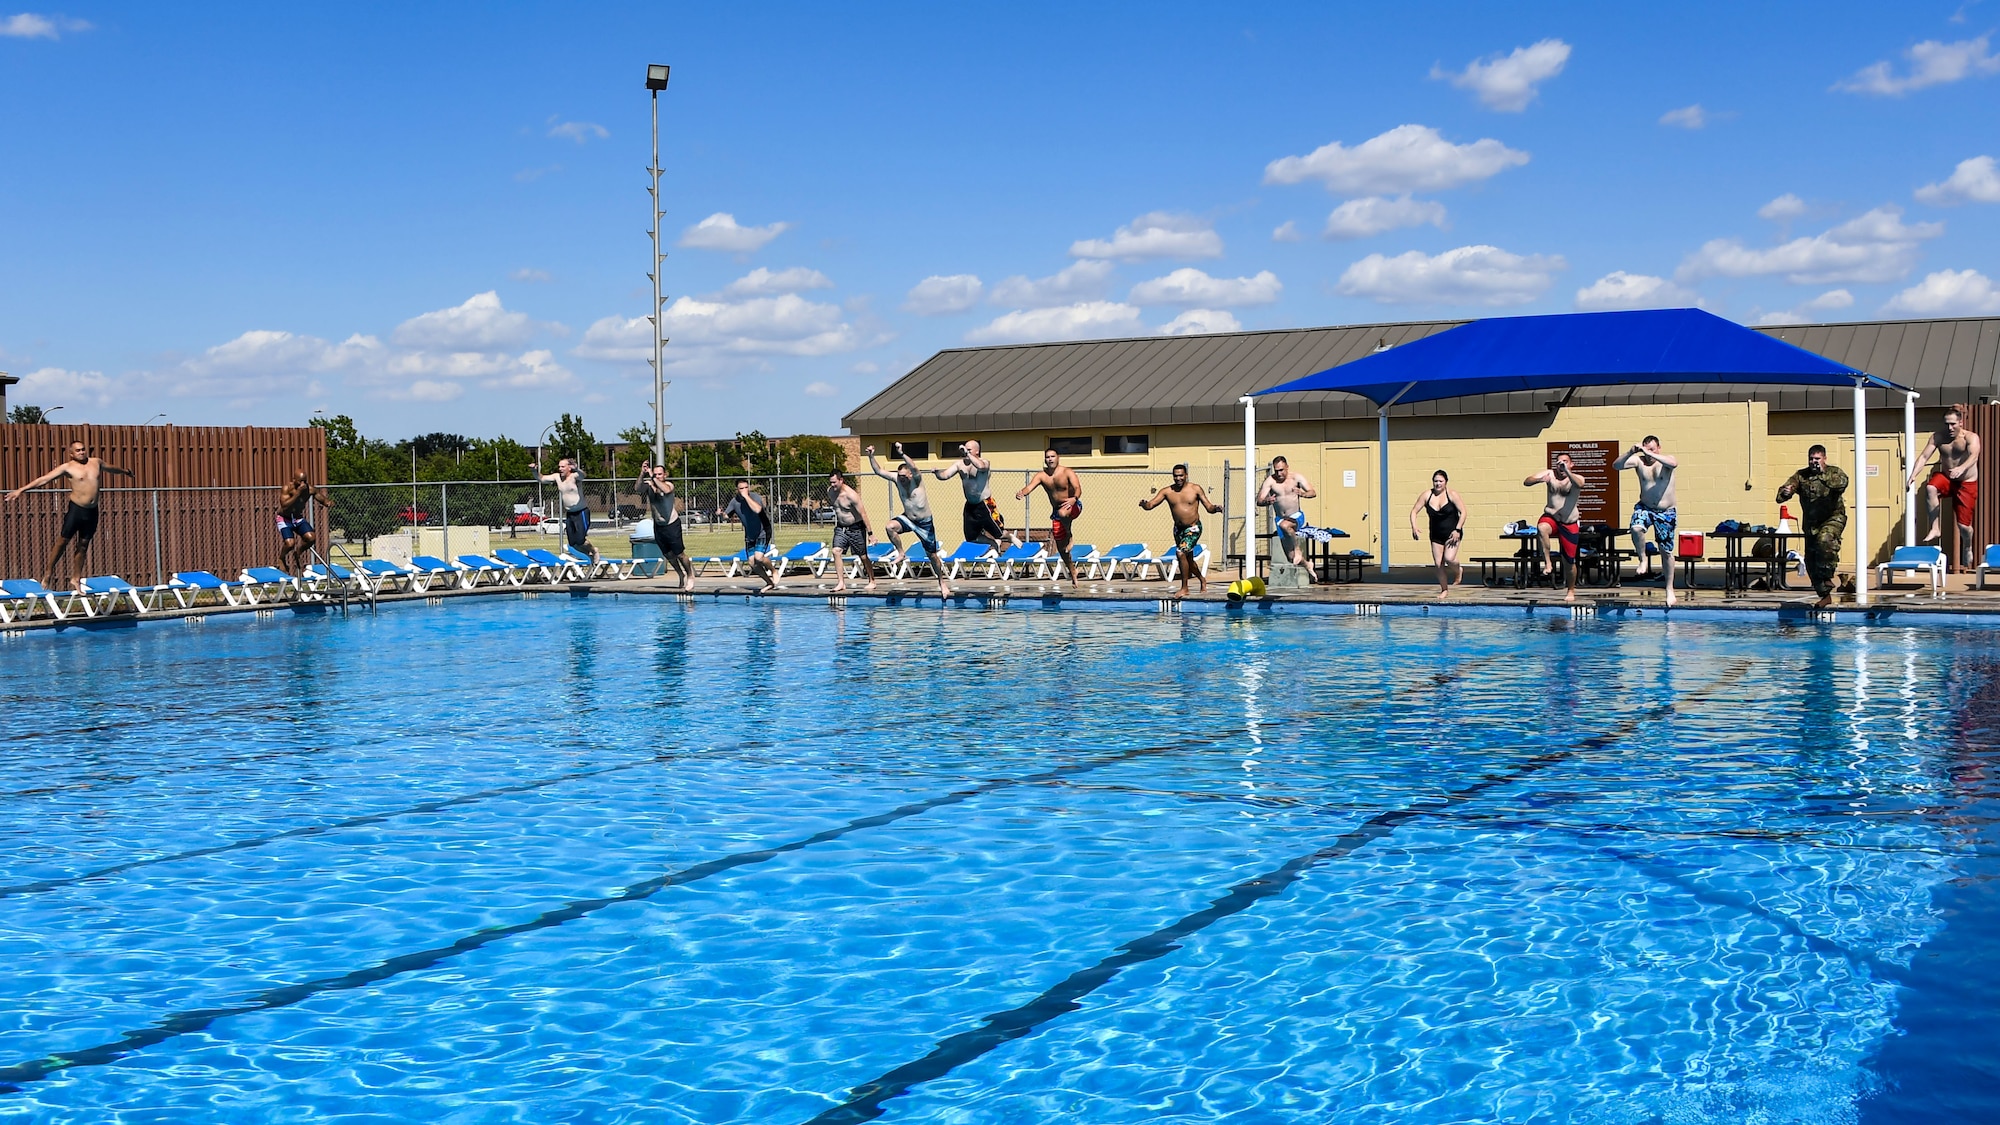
[(713, 337), (1086, 280), (1200, 322), (1877, 246), (578, 131), (1287, 231), (1932, 63), (1686, 117), (1806, 313), (428, 390), (1948, 293), (1786, 206), (821, 389), (1366, 218), (1405, 159), (721, 232), (1974, 181), (480, 324), (1508, 82), (530, 274), (1082, 321), (1621, 290), (1156, 234), (28, 25), (937, 295), (55, 386), (761, 282), (1468, 275), (1189, 286)]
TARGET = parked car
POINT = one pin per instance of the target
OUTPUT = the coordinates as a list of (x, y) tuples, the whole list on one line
[(694, 516), (550, 527), (526, 519), (413, 515)]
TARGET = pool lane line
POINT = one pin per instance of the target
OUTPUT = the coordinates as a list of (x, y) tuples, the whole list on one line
[(185, 1023), (866, 1101)]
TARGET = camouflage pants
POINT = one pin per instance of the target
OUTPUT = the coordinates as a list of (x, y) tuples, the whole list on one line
[(1823, 554)]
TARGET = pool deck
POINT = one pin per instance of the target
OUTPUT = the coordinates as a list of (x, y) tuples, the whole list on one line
[(1404, 591)]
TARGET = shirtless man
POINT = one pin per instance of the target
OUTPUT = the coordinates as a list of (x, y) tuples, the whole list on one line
[(86, 476), (1065, 492), (296, 534), (1558, 520), (850, 529), (576, 510), (1282, 491), (668, 534), (1654, 511), (975, 475), (916, 518), (1956, 476), (1186, 502)]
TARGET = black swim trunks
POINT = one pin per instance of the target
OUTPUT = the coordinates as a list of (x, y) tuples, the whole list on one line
[(980, 524), (79, 520), (668, 537)]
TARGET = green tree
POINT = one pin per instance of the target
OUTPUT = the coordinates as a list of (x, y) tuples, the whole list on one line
[(27, 415), (638, 450), (568, 438)]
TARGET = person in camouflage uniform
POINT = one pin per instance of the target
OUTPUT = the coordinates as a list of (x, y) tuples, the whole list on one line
[(1822, 492)]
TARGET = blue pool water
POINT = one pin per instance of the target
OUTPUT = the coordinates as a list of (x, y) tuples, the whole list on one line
[(609, 860)]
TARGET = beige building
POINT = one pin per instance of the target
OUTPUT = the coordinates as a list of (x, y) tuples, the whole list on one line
[(1133, 408)]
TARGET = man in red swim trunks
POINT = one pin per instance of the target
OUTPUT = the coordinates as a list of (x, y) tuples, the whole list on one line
[(1956, 476), (1065, 504), (1558, 519)]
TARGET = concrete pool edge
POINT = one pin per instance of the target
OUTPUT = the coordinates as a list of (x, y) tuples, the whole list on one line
[(1046, 599)]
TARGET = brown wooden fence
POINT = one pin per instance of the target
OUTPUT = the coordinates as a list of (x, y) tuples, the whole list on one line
[(200, 498), (1984, 421)]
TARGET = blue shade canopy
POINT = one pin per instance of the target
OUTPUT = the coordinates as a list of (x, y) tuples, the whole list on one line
[(1537, 353)]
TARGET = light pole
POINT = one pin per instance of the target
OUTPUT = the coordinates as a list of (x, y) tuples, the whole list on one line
[(150, 421), (656, 80)]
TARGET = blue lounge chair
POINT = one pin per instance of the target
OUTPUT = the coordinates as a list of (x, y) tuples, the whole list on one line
[(1081, 556), (269, 582), (913, 559), (431, 571), (526, 566), (728, 563), (588, 568), (188, 586), (1926, 560), (1170, 564), (1106, 565), (881, 557), (558, 565), (1990, 562), (474, 567), (967, 556), (1023, 556), (103, 593), (19, 597), (377, 575), (321, 578), (805, 556)]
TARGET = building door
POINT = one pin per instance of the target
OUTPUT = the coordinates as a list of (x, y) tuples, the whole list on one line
[(1347, 499), (1885, 487)]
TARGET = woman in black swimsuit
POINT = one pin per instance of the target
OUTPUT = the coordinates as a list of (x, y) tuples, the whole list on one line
[(1448, 519)]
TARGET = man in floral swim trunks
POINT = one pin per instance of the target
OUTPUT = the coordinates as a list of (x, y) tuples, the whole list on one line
[(1186, 502)]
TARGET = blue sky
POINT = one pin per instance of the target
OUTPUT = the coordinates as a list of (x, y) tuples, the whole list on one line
[(432, 217)]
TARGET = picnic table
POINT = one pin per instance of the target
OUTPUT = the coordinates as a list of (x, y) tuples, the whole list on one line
[(1596, 557), (1741, 565)]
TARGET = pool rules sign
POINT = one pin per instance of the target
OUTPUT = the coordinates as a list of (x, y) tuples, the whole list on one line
[(1593, 460)]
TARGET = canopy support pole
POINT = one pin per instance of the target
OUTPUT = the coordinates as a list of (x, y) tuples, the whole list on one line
[(1382, 512), (1251, 479), (1861, 491), (1909, 468)]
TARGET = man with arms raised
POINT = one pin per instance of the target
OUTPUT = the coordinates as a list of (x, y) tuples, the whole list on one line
[(754, 513), (665, 510), (916, 517), (850, 529), (1956, 476), (975, 475), (295, 532), (1558, 519), (1282, 491), (1822, 492), (1065, 492), (1654, 511), (576, 510), (1185, 501), (86, 476)]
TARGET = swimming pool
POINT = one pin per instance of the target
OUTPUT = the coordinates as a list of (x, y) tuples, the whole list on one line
[(625, 859)]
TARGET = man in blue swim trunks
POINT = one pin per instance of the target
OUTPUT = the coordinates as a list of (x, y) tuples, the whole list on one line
[(1186, 501), (916, 517), (754, 513), (1282, 490), (1654, 510)]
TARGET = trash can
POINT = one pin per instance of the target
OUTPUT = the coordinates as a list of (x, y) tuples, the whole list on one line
[(643, 545)]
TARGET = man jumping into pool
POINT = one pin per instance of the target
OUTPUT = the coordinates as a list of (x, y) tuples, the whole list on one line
[(754, 513), (576, 510), (982, 518), (916, 518), (1654, 510), (1281, 492), (86, 476), (1956, 476), (1558, 519), (668, 534), (850, 530), (1822, 492), (296, 534), (1065, 492), (1186, 501)]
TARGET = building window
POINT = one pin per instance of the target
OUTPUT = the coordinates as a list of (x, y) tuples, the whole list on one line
[(1071, 446), (952, 450), (1127, 443), (914, 450)]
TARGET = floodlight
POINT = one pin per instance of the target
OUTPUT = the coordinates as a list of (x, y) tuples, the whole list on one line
[(656, 76)]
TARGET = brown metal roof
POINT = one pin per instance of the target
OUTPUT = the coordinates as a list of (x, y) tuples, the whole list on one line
[(1173, 380)]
